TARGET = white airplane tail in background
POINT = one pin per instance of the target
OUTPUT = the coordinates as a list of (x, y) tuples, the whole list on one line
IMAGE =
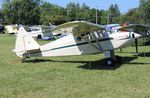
[(25, 43)]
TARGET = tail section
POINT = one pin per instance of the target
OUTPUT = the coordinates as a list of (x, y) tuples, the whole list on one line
[(25, 44)]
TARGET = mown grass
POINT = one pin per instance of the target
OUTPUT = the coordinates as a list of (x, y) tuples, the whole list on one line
[(73, 76)]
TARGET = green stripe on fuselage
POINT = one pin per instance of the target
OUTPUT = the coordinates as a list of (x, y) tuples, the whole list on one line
[(78, 44)]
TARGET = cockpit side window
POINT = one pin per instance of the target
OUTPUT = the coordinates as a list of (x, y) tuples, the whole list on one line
[(97, 34)]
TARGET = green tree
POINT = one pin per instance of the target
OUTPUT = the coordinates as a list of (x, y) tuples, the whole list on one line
[(37, 12), (138, 15), (104, 17), (51, 13), (6, 11), (144, 8), (85, 12), (73, 11), (131, 16), (21, 12), (114, 13)]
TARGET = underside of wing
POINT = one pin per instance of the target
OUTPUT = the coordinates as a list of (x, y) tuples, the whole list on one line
[(138, 28), (77, 28)]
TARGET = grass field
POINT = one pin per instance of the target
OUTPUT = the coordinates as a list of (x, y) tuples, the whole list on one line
[(73, 76)]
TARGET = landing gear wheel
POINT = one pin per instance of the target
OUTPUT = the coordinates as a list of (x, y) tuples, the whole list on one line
[(22, 60), (109, 62), (118, 59)]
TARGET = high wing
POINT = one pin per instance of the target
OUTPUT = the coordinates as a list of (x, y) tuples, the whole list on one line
[(138, 28), (77, 28)]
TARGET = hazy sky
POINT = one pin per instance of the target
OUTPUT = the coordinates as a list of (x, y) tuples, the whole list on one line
[(124, 5)]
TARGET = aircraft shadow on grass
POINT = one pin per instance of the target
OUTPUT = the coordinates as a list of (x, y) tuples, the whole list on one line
[(144, 54), (100, 64)]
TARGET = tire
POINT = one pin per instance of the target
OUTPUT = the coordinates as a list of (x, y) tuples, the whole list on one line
[(118, 59), (109, 62)]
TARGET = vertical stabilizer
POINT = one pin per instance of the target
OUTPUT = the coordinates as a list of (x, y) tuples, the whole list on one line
[(25, 43)]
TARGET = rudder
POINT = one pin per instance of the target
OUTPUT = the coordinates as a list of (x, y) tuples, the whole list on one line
[(25, 43)]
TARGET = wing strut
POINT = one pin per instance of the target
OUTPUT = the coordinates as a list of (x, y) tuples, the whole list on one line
[(99, 46)]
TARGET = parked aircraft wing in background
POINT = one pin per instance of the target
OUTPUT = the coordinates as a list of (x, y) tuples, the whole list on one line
[(138, 28)]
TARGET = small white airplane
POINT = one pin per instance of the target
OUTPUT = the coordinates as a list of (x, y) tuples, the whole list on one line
[(82, 38), (11, 29), (39, 31)]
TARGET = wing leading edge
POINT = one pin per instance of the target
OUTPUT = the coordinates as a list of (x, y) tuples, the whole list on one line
[(77, 28)]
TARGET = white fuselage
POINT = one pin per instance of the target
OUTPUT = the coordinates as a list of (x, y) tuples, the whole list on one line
[(70, 45)]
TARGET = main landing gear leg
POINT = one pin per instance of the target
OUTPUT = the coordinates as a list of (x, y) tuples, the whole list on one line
[(111, 59)]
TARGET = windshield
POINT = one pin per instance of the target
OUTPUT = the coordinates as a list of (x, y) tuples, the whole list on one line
[(111, 28)]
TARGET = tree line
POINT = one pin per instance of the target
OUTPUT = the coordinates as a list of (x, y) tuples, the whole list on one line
[(35, 12)]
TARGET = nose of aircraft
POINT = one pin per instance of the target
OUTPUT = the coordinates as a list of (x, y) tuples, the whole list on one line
[(137, 35)]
